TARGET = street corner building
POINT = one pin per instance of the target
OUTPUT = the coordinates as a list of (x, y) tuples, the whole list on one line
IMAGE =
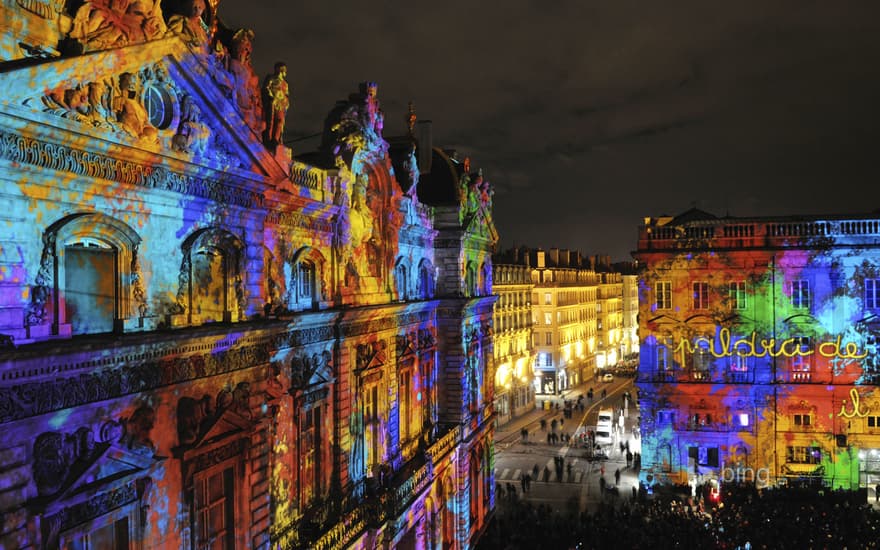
[(208, 341), (759, 350)]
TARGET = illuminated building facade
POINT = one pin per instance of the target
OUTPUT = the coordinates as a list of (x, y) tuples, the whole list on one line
[(630, 314), (207, 343), (759, 349), (514, 358), (609, 320)]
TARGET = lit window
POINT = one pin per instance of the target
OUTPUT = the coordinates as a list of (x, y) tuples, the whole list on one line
[(548, 318), (872, 293), (800, 294), (549, 338), (737, 295), (663, 295), (743, 419), (548, 298)]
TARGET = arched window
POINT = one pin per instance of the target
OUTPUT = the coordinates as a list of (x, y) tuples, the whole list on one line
[(401, 281), (305, 285), (211, 277), (88, 273), (426, 280), (448, 516)]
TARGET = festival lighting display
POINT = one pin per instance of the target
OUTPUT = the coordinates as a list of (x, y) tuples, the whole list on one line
[(208, 343), (759, 350)]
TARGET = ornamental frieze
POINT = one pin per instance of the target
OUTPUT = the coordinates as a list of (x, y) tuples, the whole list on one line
[(35, 398), (26, 150), (298, 220)]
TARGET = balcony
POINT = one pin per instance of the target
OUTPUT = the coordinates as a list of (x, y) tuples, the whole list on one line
[(371, 506)]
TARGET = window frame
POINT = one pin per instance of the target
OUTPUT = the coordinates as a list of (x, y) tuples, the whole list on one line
[(663, 295), (700, 295)]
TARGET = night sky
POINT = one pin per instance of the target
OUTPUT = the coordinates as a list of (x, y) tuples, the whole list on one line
[(588, 116)]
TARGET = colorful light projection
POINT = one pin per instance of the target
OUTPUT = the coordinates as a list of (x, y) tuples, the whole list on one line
[(147, 203), (774, 373)]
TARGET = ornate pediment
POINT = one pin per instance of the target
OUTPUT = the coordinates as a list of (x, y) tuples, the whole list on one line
[(370, 355), (89, 461), (479, 222), (310, 370), (158, 97), (406, 345), (202, 421)]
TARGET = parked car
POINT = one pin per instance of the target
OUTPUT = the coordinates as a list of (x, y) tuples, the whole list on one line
[(608, 377), (606, 418)]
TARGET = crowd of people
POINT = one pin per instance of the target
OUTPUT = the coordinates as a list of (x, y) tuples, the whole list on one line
[(742, 518)]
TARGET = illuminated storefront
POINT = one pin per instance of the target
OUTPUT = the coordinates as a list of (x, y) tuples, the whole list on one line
[(758, 349), (208, 342)]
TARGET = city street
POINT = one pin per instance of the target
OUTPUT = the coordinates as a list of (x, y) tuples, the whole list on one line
[(580, 475)]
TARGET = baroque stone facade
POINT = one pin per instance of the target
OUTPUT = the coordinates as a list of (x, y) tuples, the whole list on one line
[(208, 342), (759, 350)]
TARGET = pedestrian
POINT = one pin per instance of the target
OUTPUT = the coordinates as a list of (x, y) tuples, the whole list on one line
[(549, 438), (561, 423), (525, 435), (499, 489), (617, 476), (604, 393), (602, 470), (627, 444), (535, 470), (635, 493), (568, 468), (622, 448), (629, 458), (553, 425), (546, 473), (511, 490), (522, 482), (543, 423), (877, 493), (528, 482)]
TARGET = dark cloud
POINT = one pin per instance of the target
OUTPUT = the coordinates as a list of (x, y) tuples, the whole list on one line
[(589, 116)]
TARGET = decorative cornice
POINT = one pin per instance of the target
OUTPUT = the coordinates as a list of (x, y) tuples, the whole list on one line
[(28, 150)]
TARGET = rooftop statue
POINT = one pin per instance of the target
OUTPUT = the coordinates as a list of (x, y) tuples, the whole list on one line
[(276, 104), (246, 83), (191, 25)]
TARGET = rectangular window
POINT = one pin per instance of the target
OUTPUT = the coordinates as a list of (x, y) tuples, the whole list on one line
[(803, 455), (701, 295), (549, 338), (874, 421), (663, 295), (662, 358), (665, 417), (872, 293), (800, 294), (548, 298), (548, 318), (802, 420), (214, 511), (113, 535), (743, 419), (800, 362), (737, 295)]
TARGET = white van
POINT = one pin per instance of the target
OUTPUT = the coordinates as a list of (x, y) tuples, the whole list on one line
[(606, 418), (603, 435)]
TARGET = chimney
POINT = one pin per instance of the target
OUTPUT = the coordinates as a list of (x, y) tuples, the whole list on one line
[(554, 256), (565, 257), (426, 145)]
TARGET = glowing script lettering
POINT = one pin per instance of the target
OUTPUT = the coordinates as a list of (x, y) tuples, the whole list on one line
[(856, 411), (721, 346)]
